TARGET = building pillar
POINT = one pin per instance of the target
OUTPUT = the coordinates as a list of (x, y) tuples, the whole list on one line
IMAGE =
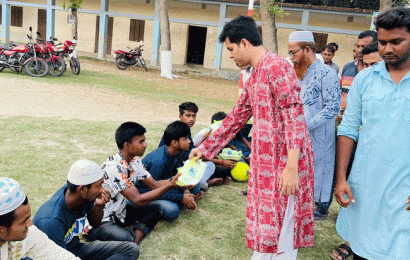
[(51, 13), (305, 19), (156, 39), (219, 46), (102, 34), (5, 21)]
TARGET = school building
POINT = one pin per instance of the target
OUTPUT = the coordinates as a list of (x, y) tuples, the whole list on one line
[(107, 25)]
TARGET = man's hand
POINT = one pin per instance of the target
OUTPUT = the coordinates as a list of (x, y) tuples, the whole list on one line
[(408, 202), (189, 187), (341, 189), (173, 180), (229, 164), (189, 201), (103, 198), (288, 182), (196, 153)]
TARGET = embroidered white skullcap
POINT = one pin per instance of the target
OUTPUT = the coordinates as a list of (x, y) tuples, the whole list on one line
[(11, 195), (301, 36), (84, 172)]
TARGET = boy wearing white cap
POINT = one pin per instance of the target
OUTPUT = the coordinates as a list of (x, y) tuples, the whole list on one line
[(18, 237), (64, 217)]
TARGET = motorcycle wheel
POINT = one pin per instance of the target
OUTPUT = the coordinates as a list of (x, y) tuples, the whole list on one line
[(142, 61), (57, 68), (75, 66), (121, 63), (1, 69), (36, 68)]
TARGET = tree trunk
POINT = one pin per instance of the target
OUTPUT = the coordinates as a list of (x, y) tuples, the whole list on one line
[(75, 22), (166, 54), (269, 31), (164, 25), (385, 4)]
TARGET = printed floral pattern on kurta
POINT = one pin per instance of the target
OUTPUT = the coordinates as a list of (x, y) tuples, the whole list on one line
[(271, 96)]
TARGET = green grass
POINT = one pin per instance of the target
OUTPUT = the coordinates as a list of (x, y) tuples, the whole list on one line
[(39, 151)]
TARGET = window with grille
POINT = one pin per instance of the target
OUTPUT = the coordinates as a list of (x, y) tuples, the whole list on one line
[(16, 18), (137, 30)]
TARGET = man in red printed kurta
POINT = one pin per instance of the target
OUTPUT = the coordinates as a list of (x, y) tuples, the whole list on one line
[(281, 168)]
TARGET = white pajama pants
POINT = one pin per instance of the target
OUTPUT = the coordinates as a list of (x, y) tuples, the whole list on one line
[(285, 246)]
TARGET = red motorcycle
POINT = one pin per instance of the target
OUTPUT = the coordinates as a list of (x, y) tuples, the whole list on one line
[(68, 50), (17, 57), (134, 57), (55, 63)]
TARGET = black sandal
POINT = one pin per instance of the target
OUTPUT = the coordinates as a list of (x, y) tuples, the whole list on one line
[(343, 254)]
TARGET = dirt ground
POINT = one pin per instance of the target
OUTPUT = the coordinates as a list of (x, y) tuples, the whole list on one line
[(22, 95)]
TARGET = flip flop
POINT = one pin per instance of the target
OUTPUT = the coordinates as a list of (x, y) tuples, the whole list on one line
[(342, 254)]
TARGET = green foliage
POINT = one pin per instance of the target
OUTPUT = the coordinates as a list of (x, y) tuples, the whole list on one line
[(275, 9), (73, 4), (361, 4)]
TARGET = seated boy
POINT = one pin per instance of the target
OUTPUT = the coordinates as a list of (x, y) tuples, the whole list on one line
[(64, 216), (187, 114), (127, 205), (163, 163)]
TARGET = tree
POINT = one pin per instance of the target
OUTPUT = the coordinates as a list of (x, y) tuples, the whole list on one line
[(269, 10), (269, 37), (74, 6), (166, 54)]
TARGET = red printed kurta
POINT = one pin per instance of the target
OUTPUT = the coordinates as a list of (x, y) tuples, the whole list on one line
[(271, 96)]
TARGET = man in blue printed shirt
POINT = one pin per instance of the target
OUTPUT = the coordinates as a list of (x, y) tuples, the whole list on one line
[(320, 94), (64, 217)]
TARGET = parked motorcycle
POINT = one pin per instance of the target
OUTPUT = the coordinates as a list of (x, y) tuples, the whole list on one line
[(17, 57), (56, 64), (134, 57), (68, 50)]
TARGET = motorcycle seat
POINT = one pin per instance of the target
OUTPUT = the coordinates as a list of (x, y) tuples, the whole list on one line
[(5, 47)]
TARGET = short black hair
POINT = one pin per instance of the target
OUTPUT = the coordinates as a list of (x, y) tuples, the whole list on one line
[(394, 18), (73, 188), (335, 45), (241, 27), (189, 106), (126, 131), (372, 47), (330, 47), (218, 116), (365, 34), (176, 130), (7, 219)]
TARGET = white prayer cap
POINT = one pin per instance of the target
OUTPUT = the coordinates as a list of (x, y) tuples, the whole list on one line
[(11, 195), (84, 172), (301, 36)]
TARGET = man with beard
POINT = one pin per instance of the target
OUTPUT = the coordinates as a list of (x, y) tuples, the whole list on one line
[(279, 217), (374, 218), (320, 94)]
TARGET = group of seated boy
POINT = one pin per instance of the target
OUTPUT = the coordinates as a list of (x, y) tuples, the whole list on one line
[(103, 212)]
